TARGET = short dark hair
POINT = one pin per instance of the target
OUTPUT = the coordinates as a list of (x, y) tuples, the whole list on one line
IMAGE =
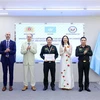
[(49, 37), (83, 38)]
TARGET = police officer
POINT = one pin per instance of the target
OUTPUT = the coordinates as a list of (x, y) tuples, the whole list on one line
[(49, 49), (83, 52)]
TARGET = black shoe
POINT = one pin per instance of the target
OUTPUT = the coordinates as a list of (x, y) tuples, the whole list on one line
[(87, 89), (80, 89), (45, 88), (53, 88)]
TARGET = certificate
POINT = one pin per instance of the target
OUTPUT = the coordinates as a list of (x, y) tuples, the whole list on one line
[(49, 57)]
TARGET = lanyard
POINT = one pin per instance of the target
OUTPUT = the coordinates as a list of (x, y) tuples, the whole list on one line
[(50, 50)]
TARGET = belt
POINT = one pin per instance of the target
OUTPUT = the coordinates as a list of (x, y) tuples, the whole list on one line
[(7, 56), (49, 62), (84, 60)]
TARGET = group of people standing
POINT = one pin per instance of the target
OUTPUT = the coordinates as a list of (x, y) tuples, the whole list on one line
[(29, 49)]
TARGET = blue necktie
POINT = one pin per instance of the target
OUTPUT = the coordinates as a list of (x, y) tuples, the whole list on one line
[(28, 44), (7, 46)]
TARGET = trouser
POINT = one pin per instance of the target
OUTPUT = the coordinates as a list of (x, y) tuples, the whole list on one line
[(47, 66), (83, 67), (5, 66), (30, 69)]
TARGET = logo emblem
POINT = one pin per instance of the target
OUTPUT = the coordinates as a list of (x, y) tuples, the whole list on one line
[(29, 29), (72, 29), (50, 29)]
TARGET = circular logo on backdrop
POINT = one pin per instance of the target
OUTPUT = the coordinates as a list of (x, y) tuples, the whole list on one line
[(29, 29), (72, 29)]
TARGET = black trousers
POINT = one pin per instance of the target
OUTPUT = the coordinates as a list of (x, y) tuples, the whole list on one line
[(83, 67), (5, 66), (49, 66)]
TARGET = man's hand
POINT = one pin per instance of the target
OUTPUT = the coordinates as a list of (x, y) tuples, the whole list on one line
[(29, 47), (54, 60), (86, 50), (45, 60), (7, 50)]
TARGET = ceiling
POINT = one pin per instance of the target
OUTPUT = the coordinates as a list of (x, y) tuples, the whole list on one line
[(45, 4)]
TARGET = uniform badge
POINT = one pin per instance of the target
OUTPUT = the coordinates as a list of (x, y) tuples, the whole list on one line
[(80, 49), (46, 49), (53, 49)]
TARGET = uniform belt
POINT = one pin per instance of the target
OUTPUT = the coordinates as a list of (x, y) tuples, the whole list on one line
[(84, 60), (49, 62)]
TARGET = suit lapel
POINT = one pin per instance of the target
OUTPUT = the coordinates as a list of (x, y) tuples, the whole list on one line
[(10, 43), (5, 43)]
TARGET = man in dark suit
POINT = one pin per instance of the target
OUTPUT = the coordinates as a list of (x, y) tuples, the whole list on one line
[(83, 52), (7, 51)]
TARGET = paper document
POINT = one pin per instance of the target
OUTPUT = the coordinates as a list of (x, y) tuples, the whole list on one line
[(49, 57)]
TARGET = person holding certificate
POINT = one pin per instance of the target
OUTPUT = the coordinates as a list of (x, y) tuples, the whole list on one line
[(49, 54), (83, 52), (66, 81)]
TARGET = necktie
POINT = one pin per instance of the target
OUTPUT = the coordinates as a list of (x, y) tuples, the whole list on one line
[(7, 46), (28, 43)]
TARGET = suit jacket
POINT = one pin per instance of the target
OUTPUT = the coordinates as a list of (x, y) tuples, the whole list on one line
[(12, 52), (28, 55)]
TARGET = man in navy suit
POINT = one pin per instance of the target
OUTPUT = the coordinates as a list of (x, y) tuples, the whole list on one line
[(7, 51)]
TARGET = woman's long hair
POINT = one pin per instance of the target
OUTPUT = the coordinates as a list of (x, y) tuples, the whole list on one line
[(62, 42)]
